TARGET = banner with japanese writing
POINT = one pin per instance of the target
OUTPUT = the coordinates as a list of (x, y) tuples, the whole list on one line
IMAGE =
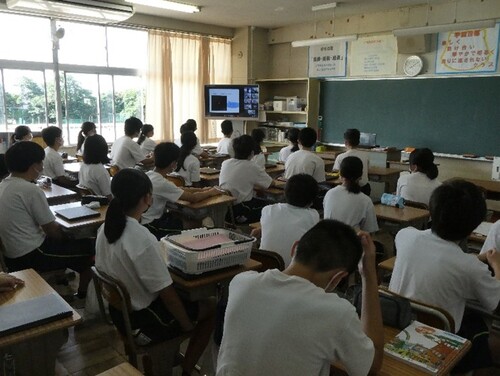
[(328, 60), (374, 56), (468, 51)]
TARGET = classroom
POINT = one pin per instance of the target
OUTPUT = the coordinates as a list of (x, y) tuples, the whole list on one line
[(390, 69)]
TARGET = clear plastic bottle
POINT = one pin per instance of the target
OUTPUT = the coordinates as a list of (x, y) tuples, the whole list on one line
[(9, 365)]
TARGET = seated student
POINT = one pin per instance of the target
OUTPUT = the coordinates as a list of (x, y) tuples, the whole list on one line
[(31, 236), (304, 161), (147, 144), (293, 138), (21, 133), (191, 126), (284, 224), (127, 153), (188, 166), (346, 203), (53, 166), (225, 145), (432, 268), (493, 239), (351, 140), (288, 323), (128, 252), (239, 175), (421, 182), (9, 282), (92, 173), (259, 158), (88, 129), (155, 218)]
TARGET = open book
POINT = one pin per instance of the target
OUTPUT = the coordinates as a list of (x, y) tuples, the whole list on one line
[(432, 350)]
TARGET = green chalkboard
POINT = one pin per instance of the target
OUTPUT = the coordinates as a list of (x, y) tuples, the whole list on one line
[(448, 115)]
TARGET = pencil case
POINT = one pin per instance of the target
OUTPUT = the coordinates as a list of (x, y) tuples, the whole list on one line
[(392, 200)]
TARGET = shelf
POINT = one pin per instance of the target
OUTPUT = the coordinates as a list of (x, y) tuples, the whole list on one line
[(287, 112)]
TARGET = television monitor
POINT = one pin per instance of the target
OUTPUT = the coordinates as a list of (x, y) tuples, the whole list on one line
[(239, 102), (367, 139)]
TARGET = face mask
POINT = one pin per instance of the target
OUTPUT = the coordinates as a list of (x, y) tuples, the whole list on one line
[(329, 287)]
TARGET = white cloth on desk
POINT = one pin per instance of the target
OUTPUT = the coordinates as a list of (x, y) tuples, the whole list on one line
[(95, 177), (191, 170), (285, 153), (277, 324), (148, 145), (126, 153), (437, 272), (416, 187), (305, 162), (493, 239), (225, 146), (53, 164), (354, 153), (163, 192)]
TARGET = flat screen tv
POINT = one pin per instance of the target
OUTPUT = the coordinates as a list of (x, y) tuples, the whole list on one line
[(239, 102)]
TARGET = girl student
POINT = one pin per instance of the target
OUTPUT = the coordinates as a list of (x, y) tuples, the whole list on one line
[(147, 144), (88, 129), (188, 166), (21, 133), (258, 158), (92, 173), (293, 138), (127, 251)]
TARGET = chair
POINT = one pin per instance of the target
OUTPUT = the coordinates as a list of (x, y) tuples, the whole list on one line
[(177, 180), (157, 359), (269, 259), (113, 170), (415, 204), (84, 191)]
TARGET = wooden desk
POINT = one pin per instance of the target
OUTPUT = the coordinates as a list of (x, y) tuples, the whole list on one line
[(491, 187), (407, 216), (275, 194), (209, 180), (214, 207), (275, 171), (81, 223), (74, 168), (389, 176), (124, 369), (35, 349), (56, 194), (213, 160)]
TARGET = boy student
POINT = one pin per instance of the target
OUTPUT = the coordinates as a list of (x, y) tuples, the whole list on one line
[(127, 153), (283, 224), (155, 219), (239, 175), (351, 140), (287, 323), (304, 161), (29, 232), (225, 145), (54, 165), (432, 268)]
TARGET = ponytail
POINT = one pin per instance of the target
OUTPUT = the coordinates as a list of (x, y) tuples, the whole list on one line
[(86, 128), (432, 172), (20, 132), (81, 140), (351, 169), (293, 136), (352, 186), (189, 141), (146, 128), (115, 221), (424, 160)]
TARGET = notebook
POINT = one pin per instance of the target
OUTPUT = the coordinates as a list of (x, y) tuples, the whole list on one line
[(79, 212), (32, 313)]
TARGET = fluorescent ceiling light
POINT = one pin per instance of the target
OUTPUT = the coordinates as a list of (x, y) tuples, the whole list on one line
[(323, 41), (169, 5), (323, 7), (446, 27)]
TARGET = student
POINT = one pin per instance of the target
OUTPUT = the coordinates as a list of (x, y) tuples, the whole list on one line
[(155, 219), (128, 252), (54, 165), (284, 224), (287, 323), (21, 133), (293, 138), (351, 140), (421, 182), (9, 282), (259, 158), (432, 268), (304, 161), (493, 239), (127, 153), (28, 229), (188, 166), (92, 173), (191, 126), (147, 144), (225, 145), (239, 175), (346, 203), (88, 129)]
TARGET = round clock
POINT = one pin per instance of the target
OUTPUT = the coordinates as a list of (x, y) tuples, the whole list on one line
[(413, 65)]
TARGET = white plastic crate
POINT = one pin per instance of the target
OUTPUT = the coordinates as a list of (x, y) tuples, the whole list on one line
[(202, 250)]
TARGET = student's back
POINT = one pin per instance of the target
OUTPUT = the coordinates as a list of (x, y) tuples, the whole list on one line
[(125, 152), (92, 172), (304, 161)]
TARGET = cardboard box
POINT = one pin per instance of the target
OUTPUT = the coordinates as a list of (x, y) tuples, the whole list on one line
[(279, 105)]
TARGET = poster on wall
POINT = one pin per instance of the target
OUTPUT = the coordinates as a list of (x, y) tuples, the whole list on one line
[(328, 60), (468, 51), (374, 56)]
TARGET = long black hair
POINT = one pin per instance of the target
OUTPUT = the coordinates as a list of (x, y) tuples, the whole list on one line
[(188, 141), (293, 136), (96, 150), (351, 169), (424, 160), (258, 136), (146, 128), (128, 186), (87, 127)]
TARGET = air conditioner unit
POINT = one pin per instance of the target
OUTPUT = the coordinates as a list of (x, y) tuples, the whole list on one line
[(107, 11)]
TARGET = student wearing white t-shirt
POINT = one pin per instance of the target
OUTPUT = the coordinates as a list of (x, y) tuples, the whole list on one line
[(191, 126), (304, 161), (53, 165), (188, 166), (346, 203), (87, 129), (225, 145), (147, 144), (258, 158), (293, 138), (92, 172), (493, 239), (288, 323), (432, 268), (125, 250)]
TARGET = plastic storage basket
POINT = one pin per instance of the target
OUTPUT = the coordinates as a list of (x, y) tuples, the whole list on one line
[(202, 250)]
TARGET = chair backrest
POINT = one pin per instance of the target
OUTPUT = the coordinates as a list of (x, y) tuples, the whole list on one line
[(84, 191), (177, 180), (415, 204), (113, 170), (268, 259), (3, 266)]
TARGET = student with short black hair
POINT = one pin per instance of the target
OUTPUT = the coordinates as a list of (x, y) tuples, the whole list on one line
[(21, 133), (88, 129), (30, 234), (304, 161), (288, 323), (188, 166), (292, 135), (225, 144), (147, 144), (432, 268), (92, 172), (127, 153), (53, 164), (259, 158)]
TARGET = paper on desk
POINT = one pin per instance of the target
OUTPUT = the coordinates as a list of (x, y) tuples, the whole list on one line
[(483, 228)]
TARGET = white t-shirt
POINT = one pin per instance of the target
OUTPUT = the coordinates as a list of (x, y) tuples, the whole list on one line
[(163, 191), (354, 153), (354, 209), (436, 271), (95, 177), (53, 165), (282, 225), (197, 150), (225, 146), (135, 260), (416, 187), (493, 239), (126, 153), (260, 160), (23, 209), (148, 146), (277, 324), (305, 162), (239, 176), (285, 153), (191, 173)]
